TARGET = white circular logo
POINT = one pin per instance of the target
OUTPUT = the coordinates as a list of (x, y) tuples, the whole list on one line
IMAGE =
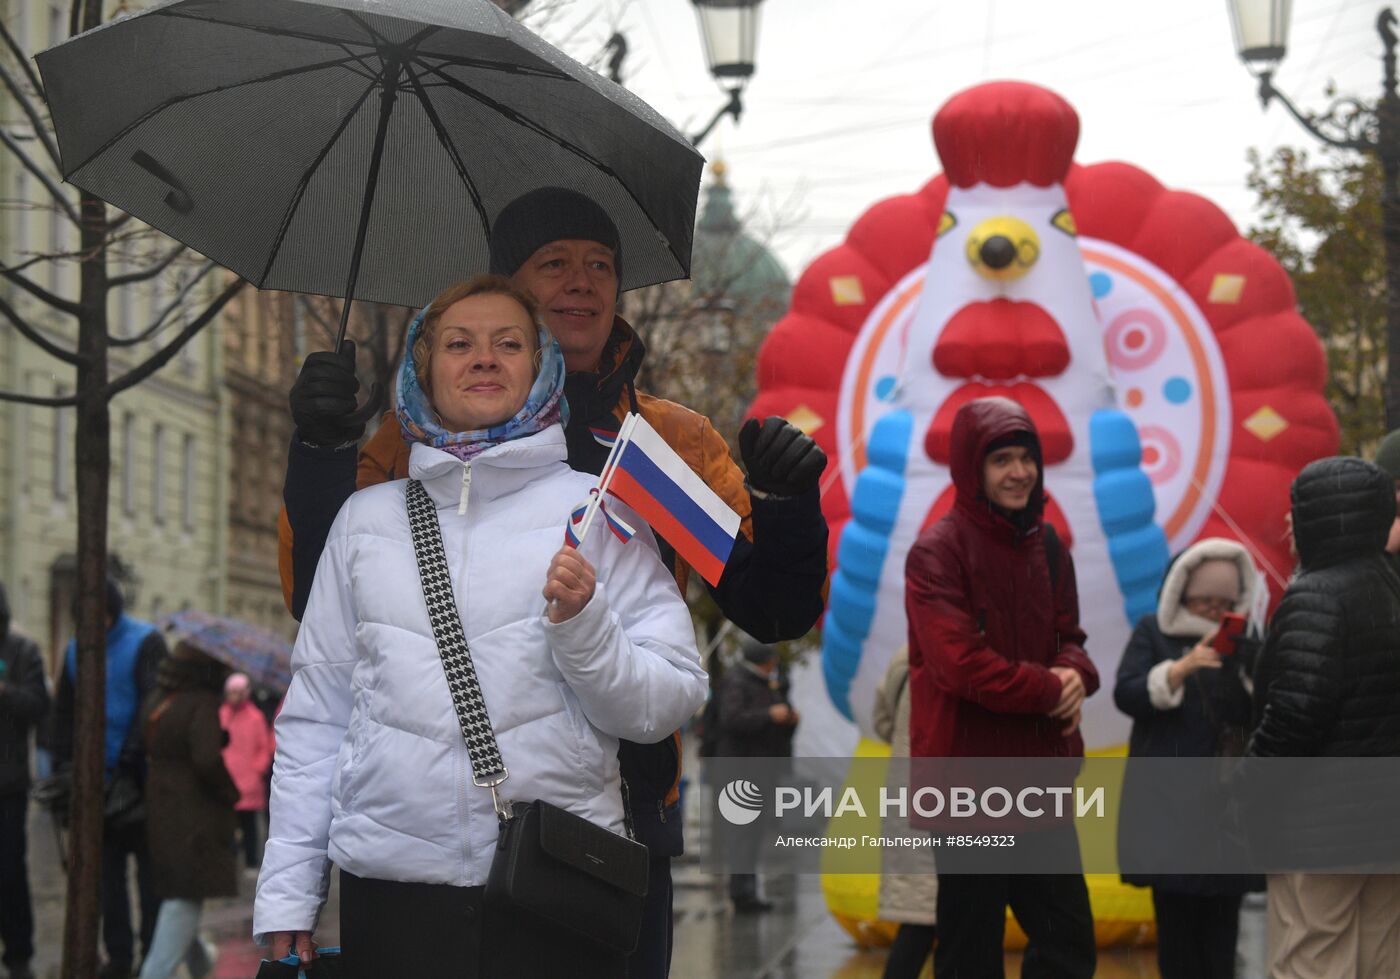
[(740, 802)]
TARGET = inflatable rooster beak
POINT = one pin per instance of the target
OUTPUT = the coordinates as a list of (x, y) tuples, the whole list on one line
[(1003, 248)]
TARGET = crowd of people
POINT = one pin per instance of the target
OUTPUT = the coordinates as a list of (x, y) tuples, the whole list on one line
[(996, 667), (176, 737), (461, 672)]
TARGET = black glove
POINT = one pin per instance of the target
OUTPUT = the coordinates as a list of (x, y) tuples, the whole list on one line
[(781, 460), (324, 396)]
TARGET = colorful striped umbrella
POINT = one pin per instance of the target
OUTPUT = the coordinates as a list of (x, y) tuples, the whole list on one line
[(261, 653)]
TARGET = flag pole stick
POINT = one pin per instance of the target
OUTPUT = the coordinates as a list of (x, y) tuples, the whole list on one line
[(605, 477)]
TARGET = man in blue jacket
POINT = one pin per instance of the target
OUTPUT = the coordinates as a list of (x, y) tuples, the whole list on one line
[(134, 652)]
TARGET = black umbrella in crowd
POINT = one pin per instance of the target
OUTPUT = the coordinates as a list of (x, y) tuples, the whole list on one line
[(358, 148)]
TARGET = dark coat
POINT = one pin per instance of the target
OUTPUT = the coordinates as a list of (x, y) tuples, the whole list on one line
[(1214, 709), (189, 794), (1328, 680), (746, 729), (985, 622), (24, 699)]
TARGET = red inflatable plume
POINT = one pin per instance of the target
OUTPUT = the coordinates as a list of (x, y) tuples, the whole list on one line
[(1006, 133)]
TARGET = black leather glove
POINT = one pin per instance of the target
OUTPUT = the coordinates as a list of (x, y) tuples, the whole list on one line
[(324, 396), (781, 460)]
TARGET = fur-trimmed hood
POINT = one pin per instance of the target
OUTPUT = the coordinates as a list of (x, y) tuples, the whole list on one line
[(1172, 616)]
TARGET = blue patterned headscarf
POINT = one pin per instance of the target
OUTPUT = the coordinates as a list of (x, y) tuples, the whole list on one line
[(544, 405)]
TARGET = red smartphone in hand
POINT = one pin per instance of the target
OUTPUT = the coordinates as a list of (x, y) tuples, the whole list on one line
[(1232, 626)]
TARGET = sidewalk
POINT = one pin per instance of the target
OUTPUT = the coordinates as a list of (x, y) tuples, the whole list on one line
[(228, 922)]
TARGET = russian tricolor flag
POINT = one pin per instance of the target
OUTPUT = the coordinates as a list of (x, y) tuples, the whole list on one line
[(650, 478)]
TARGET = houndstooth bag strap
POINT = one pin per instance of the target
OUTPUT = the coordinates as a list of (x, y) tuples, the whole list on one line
[(488, 770)]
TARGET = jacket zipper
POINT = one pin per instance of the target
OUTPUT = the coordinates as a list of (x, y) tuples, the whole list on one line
[(466, 489)]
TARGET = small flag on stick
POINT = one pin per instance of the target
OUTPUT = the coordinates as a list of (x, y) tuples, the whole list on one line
[(652, 479)]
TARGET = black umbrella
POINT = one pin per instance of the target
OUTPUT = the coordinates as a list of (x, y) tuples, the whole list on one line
[(358, 148)]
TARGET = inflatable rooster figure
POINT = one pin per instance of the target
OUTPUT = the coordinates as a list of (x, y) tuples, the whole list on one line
[(1176, 390)]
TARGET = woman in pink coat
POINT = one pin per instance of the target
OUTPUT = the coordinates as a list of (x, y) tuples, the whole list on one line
[(247, 756)]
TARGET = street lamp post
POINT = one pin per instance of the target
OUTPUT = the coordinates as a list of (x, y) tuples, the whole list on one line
[(730, 32), (1261, 40)]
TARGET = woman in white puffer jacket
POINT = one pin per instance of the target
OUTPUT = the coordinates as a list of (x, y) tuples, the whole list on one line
[(371, 772)]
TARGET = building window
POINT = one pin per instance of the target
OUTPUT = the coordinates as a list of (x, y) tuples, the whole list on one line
[(158, 475), (129, 464), (62, 447), (187, 494)]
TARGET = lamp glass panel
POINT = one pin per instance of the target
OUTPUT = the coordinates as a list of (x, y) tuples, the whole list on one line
[(1260, 28), (731, 37)]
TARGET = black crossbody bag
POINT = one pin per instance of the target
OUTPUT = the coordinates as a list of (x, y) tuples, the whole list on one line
[(549, 862)]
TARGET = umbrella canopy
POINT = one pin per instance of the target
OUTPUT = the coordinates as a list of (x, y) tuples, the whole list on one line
[(255, 130), (262, 654)]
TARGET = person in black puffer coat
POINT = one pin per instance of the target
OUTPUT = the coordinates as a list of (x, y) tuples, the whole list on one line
[(1328, 686)]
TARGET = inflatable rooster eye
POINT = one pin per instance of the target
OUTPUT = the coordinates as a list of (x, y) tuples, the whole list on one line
[(1002, 248)]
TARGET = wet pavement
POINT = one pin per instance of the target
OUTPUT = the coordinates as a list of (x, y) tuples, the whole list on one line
[(798, 938)]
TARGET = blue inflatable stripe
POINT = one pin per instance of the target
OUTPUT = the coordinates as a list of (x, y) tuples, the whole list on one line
[(876, 500), (861, 554), (1125, 500), (1113, 441), (838, 688), (1137, 547), (852, 604), (888, 445)]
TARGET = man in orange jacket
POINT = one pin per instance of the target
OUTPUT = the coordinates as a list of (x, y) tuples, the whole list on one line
[(564, 250)]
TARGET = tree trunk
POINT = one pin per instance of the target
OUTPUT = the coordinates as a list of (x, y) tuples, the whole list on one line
[(92, 448)]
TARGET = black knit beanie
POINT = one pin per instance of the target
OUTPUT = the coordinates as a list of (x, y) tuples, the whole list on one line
[(544, 215), (1388, 455)]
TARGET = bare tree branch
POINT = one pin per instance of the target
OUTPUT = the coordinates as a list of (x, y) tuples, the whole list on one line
[(310, 308), (33, 399), (166, 353), (41, 128), (55, 191), (40, 293), (37, 338), (116, 223), (21, 59), (149, 273), (160, 322)]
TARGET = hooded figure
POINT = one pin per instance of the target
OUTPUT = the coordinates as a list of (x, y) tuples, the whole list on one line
[(985, 624), (1186, 700), (1328, 686), (1328, 680), (24, 699), (997, 668)]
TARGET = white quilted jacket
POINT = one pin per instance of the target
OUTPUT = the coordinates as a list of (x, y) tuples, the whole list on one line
[(372, 773)]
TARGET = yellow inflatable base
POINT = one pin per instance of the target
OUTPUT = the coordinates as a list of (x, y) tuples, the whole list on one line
[(1122, 914)]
